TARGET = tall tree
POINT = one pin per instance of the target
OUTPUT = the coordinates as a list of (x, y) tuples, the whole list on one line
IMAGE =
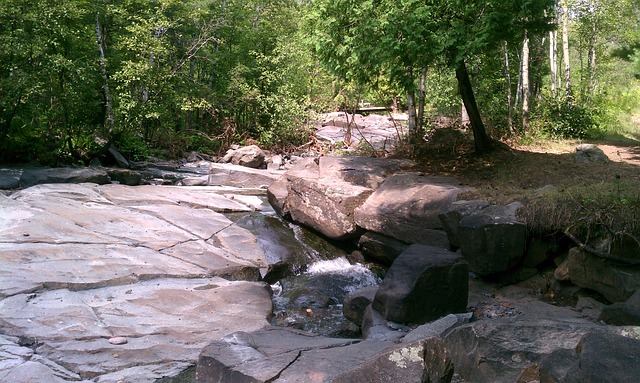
[(565, 50), (526, 90), (412, 34)]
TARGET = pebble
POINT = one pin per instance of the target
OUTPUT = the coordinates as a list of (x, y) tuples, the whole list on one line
[(118, 340)]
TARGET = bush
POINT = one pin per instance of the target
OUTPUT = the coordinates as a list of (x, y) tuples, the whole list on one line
[(558, 118)]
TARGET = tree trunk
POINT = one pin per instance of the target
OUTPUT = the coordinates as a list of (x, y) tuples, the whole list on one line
[(553, 63), (507, 75), (421, 98), (106, 135), (482, 141), (411, 106), (526, 91), (591, 59), (413, 120), (565, 50)]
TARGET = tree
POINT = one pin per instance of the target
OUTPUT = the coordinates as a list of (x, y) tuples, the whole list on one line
[(411, 34), (565, 50)]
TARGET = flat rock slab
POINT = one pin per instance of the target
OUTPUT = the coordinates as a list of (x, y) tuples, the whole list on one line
[(277, 354), (121, 284)]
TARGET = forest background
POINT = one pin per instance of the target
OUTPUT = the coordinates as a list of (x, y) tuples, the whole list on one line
[(164, 77)]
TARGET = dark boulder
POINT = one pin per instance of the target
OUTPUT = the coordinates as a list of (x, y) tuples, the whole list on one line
[(421, 361), (356, 303), (493, 240), (615, 281), (423, 284), (599, 357), (38, 176), (380, 248), (623, 313)]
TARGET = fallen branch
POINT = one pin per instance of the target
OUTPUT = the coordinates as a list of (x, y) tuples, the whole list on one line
[(591, 250)]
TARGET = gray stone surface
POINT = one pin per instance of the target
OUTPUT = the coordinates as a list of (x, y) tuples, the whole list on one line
[(376, 327), (124, 176), (381, 248), (590, 153), (122, 284), (10, 178), (356, 303), (623, 313), (499, 350), (277, 354), (241, 176), (451, 218), (615, 282), (118, 157), (493, 240), (36, 176), (325, 205), (250, 156), (438, 328), (598, 358), (423, 284), (421, 361), (363, 171), (406, 207)]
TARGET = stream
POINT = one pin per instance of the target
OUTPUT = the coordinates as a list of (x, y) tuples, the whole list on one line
[(309, 276)]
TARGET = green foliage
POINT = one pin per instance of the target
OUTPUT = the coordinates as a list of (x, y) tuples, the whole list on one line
[(182, 75), (557, 118)]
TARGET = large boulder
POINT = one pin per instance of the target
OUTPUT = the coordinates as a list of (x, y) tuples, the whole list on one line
[(407, 206), (278, 191), (125, 176), (36, 176), (451, 218), (614, 281), (493, 240), (586, 153), (380, 248), (250, 156), (623, 313), (10, 178), (326, 206), (423, 284), (500, 350), (599, 357)]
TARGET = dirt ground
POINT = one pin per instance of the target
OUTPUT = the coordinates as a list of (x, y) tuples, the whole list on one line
[(506, 175)]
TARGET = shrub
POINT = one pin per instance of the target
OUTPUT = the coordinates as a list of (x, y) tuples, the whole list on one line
[(559, 118)]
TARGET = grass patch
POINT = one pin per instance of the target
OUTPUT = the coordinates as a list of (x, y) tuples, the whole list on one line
[(604, 215)]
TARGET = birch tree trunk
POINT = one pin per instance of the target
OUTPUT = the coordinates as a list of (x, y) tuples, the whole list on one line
[(507, 75), (526, 91), (109, 123), (553, 60), (565, 50), (591, 58)]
